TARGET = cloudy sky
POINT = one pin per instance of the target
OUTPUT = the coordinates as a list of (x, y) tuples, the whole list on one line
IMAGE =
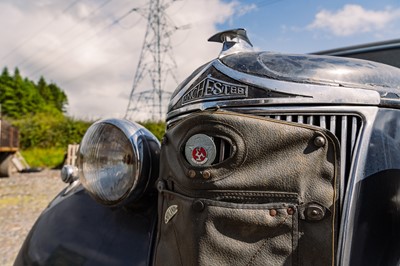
[(91, 48)]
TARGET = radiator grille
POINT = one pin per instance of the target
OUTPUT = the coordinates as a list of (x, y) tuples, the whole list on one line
[(345, 127)]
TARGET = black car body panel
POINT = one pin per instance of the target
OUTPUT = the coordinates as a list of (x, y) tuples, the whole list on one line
[(76, 230)]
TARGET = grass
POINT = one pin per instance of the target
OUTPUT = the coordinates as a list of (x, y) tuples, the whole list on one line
[(44, 157)]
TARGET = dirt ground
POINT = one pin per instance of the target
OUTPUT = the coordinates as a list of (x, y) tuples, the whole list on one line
[(22, 198)]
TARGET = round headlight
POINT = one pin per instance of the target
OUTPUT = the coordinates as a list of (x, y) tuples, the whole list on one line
[(117, 160)]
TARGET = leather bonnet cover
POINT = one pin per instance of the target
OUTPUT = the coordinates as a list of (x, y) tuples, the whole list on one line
[(271, 202)]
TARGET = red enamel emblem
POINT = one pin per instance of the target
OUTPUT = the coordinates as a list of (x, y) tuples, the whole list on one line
[(199, 155), (200, 150)]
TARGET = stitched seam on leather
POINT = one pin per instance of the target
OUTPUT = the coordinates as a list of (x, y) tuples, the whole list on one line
[(212, 194)]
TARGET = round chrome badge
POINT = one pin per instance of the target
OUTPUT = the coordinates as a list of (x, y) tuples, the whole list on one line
[(200, 150)]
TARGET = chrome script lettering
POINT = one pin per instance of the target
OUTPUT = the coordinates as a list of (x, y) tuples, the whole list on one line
[(214, 88)]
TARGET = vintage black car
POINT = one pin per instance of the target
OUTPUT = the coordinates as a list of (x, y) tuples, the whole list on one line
[(268, 159)]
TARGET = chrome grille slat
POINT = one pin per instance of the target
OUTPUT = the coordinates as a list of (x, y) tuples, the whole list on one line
[(310, 120), (343, 154), (332, 125), (222, 150), (353, 134), (322, 121)]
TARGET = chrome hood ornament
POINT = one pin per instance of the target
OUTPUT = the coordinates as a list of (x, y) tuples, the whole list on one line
[(233, 41)]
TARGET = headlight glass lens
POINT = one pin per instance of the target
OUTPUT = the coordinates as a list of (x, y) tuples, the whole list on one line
[(107, 163)]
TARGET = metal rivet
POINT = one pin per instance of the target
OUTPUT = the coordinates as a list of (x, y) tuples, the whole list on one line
[(191, 173), (290, 211), (319, 141), (272, 212), (206, 174), (315, 212), (198, 205)]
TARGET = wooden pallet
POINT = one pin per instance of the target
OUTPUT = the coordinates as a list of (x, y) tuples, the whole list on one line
[(72, 154)]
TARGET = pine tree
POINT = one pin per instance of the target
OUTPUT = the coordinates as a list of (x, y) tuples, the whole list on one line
[(20, 97)]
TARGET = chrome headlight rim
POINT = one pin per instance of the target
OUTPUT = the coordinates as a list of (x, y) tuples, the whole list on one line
[(138, 138)]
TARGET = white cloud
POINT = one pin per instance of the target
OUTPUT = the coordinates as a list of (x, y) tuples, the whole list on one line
[(91, 58), (239, 9), (242, 10), (354, 19)]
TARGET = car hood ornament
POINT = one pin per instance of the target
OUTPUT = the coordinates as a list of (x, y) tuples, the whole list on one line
[(233, 41)]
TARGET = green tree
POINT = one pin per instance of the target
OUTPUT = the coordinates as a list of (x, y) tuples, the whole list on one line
[(20, 97), (9, 94), (60, 99)]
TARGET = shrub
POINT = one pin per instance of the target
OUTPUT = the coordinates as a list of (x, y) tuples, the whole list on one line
[(44, 130), (157, 128)]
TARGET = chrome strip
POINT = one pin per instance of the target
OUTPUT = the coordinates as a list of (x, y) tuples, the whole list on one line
[(353, 135), (310, 120), (260, 103), (222, 150), (180, 94), (356, 172), (343, 156), (318, 93), (323, 121), (332, 125)]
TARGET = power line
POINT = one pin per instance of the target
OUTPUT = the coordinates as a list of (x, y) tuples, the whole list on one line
[(156, 62), (259, 4), (267, 3), (64, 33), (32, 36), (55, 60)]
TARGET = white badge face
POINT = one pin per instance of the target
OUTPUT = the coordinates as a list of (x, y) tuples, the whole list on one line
[(200, 150)]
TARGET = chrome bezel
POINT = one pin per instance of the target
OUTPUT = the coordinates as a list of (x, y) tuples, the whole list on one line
[(139, 139)]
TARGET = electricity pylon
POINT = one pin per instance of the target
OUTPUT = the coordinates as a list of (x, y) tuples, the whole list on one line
[(156, 62)]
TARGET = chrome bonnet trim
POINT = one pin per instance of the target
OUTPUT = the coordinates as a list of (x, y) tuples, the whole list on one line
[(314, 93), (287, 110), (308, 93), (356, 172), (180, 94), (258, 104)]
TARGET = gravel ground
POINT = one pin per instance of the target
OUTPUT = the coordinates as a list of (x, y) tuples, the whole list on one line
[(22, 198)]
